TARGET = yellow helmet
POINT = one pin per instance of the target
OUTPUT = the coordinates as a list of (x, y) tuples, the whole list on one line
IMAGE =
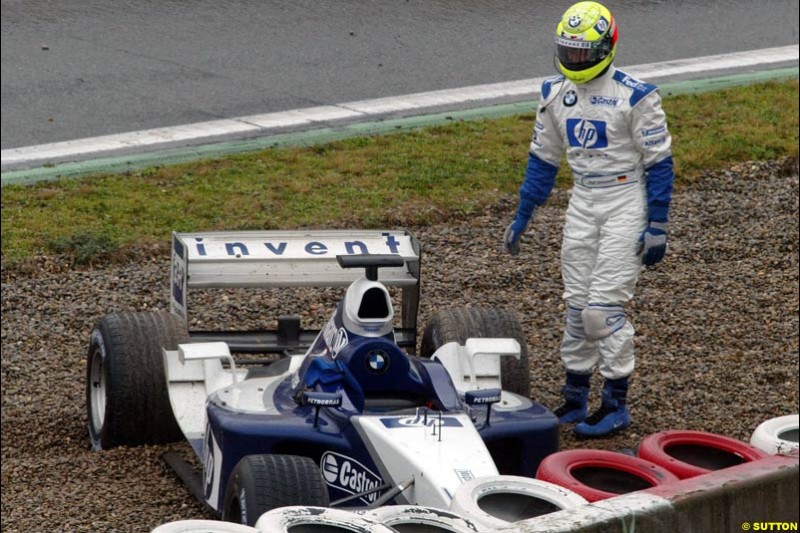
[(586, 41)]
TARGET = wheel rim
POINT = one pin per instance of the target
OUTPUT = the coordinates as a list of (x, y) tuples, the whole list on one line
[(97, 392)]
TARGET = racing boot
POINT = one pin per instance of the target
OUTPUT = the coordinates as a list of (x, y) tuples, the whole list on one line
[(612, 416), (576, 396)]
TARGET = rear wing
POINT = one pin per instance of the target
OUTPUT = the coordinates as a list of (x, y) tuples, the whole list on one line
[(255, 259)]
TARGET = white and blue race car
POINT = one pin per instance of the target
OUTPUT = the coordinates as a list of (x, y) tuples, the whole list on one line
[(348, 416)]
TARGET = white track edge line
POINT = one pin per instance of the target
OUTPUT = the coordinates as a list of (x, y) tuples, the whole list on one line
[(365, 108)]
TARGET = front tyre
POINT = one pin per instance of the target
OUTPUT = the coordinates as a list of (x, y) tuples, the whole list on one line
[(127, 401), (260, 483)]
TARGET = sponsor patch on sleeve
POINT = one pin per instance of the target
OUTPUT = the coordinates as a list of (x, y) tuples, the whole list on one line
[(650, 132)]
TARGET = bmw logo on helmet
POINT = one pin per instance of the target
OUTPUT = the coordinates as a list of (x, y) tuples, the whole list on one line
[(574, 21), (377, 362)]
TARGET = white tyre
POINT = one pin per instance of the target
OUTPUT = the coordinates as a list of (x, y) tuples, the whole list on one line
[(203, 526), (777, 435), (496, 501), (322, 520), (413, 518)]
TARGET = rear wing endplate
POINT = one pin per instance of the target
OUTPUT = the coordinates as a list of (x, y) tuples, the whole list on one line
[(255, 259)]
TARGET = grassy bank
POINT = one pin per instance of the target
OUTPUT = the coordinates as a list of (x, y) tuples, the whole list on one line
[(393, 180)]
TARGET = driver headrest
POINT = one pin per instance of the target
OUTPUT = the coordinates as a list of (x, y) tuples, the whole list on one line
[(368, 309)]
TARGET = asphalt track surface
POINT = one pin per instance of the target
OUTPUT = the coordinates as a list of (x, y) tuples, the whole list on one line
[(302, 127), (84, 68)]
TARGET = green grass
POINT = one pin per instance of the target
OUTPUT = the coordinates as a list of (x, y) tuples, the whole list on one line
[(407, 178)]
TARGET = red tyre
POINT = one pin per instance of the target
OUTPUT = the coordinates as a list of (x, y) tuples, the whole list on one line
[(688, 453), (598, 474)]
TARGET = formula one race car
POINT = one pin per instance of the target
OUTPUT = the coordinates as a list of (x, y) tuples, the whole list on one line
[(348, 416)]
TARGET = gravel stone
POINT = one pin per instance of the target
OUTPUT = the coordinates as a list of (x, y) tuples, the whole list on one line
[(717, 339)]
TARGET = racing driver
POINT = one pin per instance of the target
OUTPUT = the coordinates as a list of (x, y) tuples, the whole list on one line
[(615, 135)]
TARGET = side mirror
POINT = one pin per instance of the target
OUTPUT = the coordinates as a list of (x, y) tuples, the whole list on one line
[(207, 350), (485, 397), (321, 399)]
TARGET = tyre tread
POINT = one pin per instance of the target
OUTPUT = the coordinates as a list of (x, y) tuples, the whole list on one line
[(138, 409), (459, 324), (276, 480)]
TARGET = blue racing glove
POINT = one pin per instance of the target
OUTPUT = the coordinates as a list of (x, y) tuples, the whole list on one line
[(539, 180), (515, 230), (653, 243)]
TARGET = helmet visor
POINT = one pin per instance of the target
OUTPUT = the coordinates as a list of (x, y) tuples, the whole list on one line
[(580, 55)]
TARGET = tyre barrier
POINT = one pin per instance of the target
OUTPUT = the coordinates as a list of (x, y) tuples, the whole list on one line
[(599, 474), (203, 526), (497, 501), (321, 520), (688, 453), (415, 518), (777, 435)]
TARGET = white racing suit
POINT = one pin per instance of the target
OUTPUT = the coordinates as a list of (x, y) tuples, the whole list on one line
[(617, 143)]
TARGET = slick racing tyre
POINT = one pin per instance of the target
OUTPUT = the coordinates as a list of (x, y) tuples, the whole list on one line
[(320, 520), (127, 401), (688, 453), (497, 501), (599, 474), (204, 526), (777, 435), (260, 483), (458, 325), (413, 518)]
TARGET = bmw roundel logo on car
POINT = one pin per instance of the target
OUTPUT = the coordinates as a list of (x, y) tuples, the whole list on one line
[(377, 362)]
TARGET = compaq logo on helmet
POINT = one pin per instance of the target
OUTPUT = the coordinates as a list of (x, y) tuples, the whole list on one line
[(574, 21)]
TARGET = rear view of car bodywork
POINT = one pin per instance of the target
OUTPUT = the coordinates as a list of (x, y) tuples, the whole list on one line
[(349, 408)]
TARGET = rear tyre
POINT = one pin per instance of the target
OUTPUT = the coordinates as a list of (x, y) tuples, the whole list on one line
[(458, 325), (260, 483), (127, 400)]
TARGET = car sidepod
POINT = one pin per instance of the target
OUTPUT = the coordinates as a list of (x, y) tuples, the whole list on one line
[(288, 429)]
